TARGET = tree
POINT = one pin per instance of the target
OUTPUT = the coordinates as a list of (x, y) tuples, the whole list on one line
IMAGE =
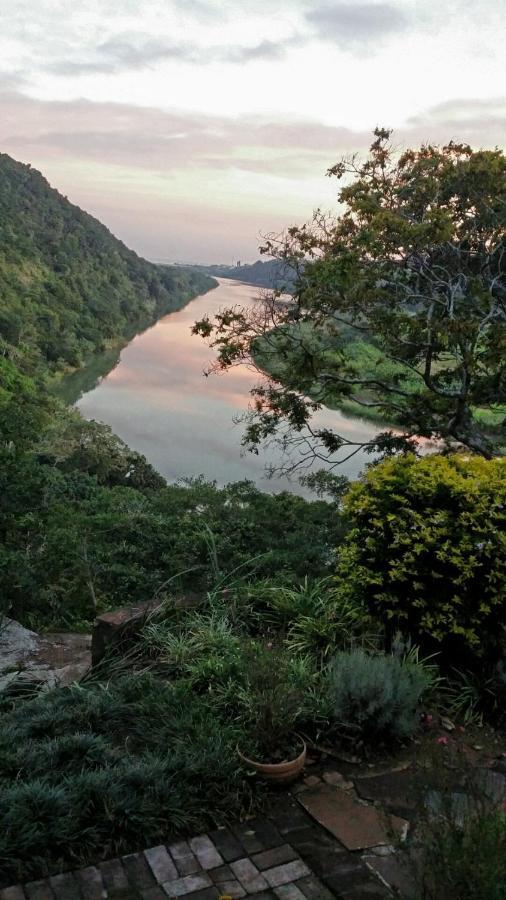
[(414, 270)]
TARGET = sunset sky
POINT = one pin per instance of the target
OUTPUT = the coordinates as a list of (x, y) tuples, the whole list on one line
[(190, 128)]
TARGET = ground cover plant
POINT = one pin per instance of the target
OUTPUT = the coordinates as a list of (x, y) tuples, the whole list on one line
[(89, 771)]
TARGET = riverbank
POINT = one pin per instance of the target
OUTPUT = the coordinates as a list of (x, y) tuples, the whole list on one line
[(367, 360), (69, 384), (157, 400)]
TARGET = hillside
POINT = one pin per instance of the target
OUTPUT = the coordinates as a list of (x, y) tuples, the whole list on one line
[(270, 273), (68, 287)]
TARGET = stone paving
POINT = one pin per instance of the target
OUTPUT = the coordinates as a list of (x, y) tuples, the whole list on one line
[(285, 856)]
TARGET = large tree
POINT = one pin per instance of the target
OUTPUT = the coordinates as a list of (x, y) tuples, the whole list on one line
[(414, 266)]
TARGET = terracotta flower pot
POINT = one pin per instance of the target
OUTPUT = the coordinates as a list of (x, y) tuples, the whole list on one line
[(278, 773)]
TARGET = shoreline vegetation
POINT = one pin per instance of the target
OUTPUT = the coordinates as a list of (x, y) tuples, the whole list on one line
[(272, 357)]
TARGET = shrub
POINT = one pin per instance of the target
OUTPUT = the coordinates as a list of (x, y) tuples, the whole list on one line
[(426, 551), (375, 696)]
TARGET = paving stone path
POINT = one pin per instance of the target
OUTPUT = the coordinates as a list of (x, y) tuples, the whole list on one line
[(285, 856)]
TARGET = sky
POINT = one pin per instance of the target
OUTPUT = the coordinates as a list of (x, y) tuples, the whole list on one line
[(193, 127)]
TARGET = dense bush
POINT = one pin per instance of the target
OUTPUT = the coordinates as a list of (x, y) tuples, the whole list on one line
[(88, 772), (85, 522), (374, 697), (426, 550)]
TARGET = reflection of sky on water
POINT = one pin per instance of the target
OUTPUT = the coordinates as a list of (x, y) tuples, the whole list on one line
[(158, 401)]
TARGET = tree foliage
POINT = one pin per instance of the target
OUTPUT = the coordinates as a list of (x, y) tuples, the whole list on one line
[(416, 265)]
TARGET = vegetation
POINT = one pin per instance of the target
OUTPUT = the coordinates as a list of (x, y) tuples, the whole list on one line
[(415, 267), (86, 524), (425, 552), (274, 614), (68, 286), (466, 862), (272, 273), (87, 771), (375, 696)]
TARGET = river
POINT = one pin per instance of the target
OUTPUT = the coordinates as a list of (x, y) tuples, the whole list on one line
[(157, 399)]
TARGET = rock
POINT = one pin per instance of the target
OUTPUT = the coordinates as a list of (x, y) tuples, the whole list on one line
[(29, 660), (395, 872), (16, 645), (447, 724), (111, 627), (345, 786), (333, 777), (397, 791), (383, 850), (311, 780)]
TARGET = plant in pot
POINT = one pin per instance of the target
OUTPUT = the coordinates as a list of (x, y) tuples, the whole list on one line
[(271, 701)]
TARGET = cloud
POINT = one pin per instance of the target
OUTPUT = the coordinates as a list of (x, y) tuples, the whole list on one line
[(353, 25), (122, 53), (130, 52), (186, 185), (163, 141)]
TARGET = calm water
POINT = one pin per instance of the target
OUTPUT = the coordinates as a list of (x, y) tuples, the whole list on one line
[(158, 401)]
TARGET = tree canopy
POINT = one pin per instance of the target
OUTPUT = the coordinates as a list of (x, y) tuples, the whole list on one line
[(415, 267)]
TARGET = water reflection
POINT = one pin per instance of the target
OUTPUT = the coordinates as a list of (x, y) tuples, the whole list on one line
[(158, 401)]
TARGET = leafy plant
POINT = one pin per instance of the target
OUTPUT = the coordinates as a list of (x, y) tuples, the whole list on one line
[(271, 701), (426, 551), (373, 696)]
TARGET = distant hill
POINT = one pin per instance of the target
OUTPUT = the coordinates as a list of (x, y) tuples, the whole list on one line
[(269, 274), (68, 287)]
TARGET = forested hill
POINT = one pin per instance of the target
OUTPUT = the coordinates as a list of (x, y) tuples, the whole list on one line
[(271, 273), (68, 287)]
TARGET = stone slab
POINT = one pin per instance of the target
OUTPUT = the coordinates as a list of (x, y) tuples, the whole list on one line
[(15, 892), (161, 864), (396, 875), (227, 844), (275, 857), (286, 873), (65, 887), (231, 889), (113, 875), (90, 883), (205, 851), (248, 875), (397, 791), (353, 824), (289, 892), (188, 885)]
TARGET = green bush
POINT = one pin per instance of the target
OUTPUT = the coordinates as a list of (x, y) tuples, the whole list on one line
[(374, 697), (426, 551)]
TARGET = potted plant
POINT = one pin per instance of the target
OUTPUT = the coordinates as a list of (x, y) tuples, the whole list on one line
[(271, 702)]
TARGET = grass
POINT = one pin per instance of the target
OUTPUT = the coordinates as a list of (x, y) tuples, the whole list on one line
[(88, 772)]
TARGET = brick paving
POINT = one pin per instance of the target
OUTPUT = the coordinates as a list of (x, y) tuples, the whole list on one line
[(284, 856)]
